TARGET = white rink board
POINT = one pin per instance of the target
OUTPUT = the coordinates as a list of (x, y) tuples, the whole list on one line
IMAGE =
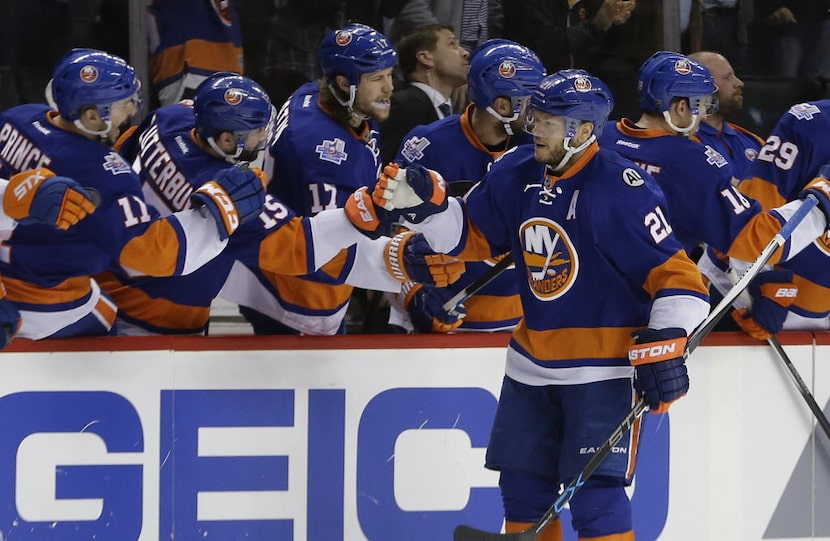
[(374, 444)]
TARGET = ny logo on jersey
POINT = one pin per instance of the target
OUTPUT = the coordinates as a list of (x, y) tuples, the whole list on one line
[(550, 258), (332, 151), (413, 148)]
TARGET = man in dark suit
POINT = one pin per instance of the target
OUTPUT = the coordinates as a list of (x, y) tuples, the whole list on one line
[(434, 64)]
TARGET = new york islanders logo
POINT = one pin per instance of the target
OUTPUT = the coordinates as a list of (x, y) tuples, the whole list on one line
[(89, 74), (233, 96), (343, 38), (582, 84), (507, 69), (682, 66), (550, 258)]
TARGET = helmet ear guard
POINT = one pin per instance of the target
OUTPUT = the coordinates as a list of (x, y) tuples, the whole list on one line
[(229, 102)]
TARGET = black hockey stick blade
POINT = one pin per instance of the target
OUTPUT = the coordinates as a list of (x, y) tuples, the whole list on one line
[(802, 387), (467, 533)]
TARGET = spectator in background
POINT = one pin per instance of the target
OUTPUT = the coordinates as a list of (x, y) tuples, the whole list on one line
[(797, 35), (434, 66), (475, 20), (296, 30), (725, 29), (190, 40)]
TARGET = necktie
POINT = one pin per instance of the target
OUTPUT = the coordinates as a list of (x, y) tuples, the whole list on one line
[(446, 109)]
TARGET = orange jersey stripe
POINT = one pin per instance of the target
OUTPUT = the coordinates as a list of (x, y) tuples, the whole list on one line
[(154, 252), (197, 53), (754, 237), (812, 296), (158, 312), (575, 343), (763, 191), (677, 272), (67, 291), (492, 308), (285, 251)]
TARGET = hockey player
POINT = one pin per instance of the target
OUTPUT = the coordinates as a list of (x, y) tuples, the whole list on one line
[(704, 206), (47, 272), (462, 147), (598, 263), (326, 147), (795, 152), (738, 145)]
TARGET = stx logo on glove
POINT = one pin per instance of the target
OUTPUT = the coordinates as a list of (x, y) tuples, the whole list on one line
[(221, 197), (29, 184), (786, 292)]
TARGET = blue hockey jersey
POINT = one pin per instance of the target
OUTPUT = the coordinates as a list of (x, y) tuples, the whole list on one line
[(738, 145)]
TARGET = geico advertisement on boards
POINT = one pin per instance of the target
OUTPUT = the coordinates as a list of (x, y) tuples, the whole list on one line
[(372, 444)]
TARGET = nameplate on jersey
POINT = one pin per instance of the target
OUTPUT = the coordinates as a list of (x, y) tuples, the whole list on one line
[(333, 151), (413, 148)]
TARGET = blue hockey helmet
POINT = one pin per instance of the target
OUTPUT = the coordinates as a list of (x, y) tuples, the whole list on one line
[(668, 75), (91, 78), (354, 50), (503, 68), (575, 95), (229, 102)]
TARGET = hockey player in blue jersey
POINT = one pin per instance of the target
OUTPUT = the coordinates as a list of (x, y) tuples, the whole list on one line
[(47, 272), (795, 158), (598, 263), (462, 147), (704, 206), (326, 148)]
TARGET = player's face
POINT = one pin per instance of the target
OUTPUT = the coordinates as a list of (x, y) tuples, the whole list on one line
[(373, 94), (730, 88), (548, 133), (451, 61), (121, 113)]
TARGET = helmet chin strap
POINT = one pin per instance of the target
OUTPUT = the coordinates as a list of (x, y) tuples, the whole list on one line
[(504, 120), (230, 158), (570, 151), (99, 133), (686, 132), (349, 103)]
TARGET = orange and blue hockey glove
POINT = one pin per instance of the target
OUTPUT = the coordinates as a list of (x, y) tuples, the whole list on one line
[(414, 193), (425, 306), (410, 258), (660, 374), (235, 196), (40, 195), (772, 293)]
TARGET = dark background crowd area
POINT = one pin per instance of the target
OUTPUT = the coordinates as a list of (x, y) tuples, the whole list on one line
[(771, 52)]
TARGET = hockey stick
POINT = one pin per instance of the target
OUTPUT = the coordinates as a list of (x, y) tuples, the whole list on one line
[(802, 387), (468, 533), (479, 283)]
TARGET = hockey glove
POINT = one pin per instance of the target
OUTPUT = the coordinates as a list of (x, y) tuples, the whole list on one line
[(659, 366), (409, 258), (414, 193), (40, 195), (820, 187), (235, 196), (9, 319), (772, 292), (367, 217), (425, 306)]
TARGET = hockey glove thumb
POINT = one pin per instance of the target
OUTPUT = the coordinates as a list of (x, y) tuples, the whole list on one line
[(425, 306), (414, 193), (772, 292), (234, 197), (367, 217), (659, 366), (40, 195), (410, 258)]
